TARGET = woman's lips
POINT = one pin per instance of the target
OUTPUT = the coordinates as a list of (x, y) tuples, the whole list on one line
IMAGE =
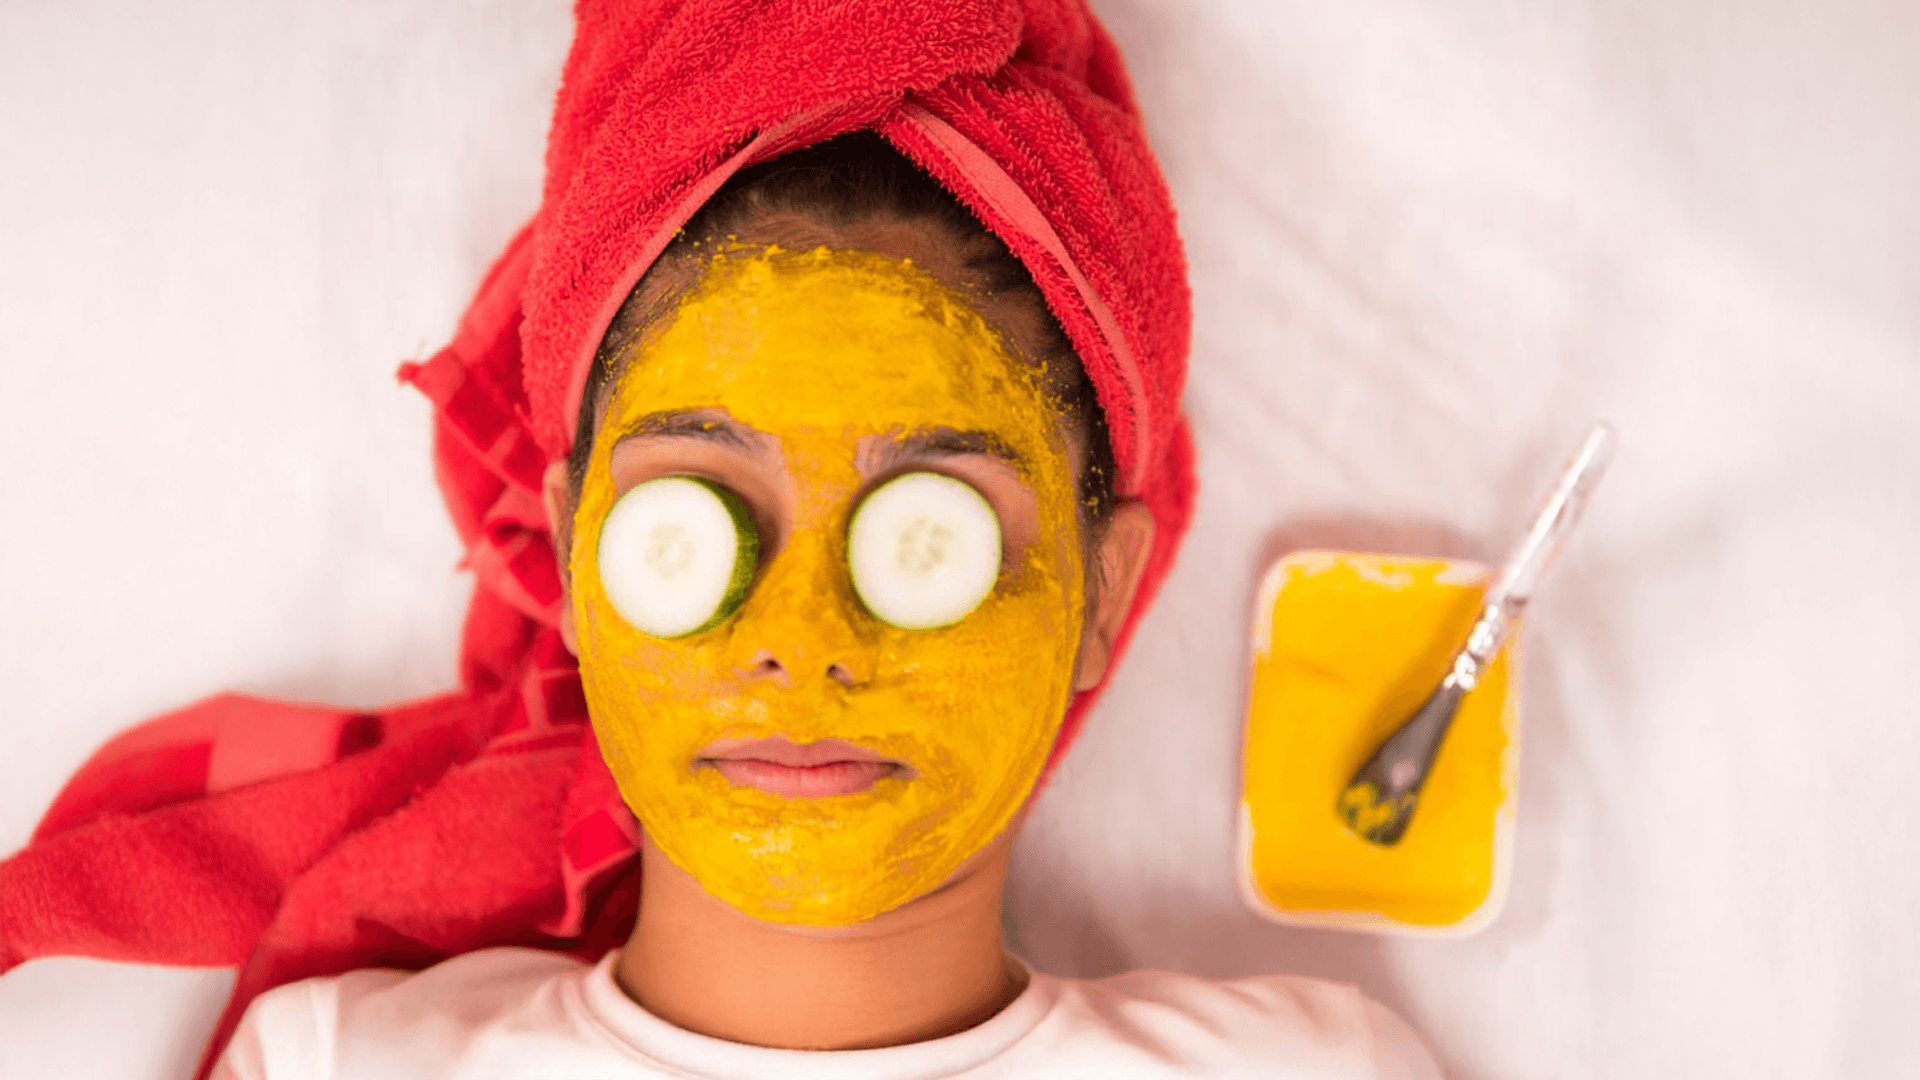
[(815, 770), (805, 781)]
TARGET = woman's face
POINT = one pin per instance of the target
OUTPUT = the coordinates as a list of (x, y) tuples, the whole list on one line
[(804, 760)]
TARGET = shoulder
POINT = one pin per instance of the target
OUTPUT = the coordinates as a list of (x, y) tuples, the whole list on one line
[(1160, 1023), (377, 1021)]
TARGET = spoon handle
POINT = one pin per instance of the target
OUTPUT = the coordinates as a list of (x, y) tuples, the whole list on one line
[(1513, 587), (1379, 801)]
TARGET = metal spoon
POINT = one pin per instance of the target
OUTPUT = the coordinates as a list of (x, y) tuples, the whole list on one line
[(1380, 799)]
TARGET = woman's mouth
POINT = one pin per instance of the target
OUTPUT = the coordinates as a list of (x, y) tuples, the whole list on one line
[(814, 770)]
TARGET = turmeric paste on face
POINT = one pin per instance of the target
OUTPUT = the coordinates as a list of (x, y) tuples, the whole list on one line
[(821, 350), (1346, 646)]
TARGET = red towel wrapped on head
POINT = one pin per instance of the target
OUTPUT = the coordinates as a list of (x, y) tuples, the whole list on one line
[(292, 840)]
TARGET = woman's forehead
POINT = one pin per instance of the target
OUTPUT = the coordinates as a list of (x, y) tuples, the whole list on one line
[(828, 336), (962, 264)]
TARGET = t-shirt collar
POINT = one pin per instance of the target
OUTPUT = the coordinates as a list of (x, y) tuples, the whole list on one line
[(709, 1058)]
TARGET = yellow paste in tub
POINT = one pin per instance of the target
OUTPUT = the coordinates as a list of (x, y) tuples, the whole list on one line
[(1346, 646)]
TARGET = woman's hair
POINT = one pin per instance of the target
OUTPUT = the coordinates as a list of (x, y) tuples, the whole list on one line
[(846, 182)]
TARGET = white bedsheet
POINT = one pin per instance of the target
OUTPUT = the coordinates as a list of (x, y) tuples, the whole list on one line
[(1429, 241)]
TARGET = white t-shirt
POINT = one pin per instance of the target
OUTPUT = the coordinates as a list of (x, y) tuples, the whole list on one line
[(502, 1013)]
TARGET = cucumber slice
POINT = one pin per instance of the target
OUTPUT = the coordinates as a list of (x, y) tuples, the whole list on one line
[(677, 554), (924, 550)]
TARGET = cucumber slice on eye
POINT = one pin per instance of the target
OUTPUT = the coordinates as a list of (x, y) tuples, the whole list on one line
[(924, 550), (677, 555)]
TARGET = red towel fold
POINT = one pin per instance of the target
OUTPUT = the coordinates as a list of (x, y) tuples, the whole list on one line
[(295, 840)]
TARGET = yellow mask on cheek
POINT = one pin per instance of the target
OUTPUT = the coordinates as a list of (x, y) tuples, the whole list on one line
[(821, 350)]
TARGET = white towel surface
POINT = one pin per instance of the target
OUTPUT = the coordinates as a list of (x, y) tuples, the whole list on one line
[(1429, 242)]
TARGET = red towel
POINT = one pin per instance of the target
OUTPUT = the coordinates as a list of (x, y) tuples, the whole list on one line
[(297, 840)]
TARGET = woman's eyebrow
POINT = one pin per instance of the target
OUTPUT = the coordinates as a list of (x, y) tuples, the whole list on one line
[(703, 424), (945, 442)]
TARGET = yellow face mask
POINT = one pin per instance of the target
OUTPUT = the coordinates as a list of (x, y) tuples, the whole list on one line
[(828, 352)]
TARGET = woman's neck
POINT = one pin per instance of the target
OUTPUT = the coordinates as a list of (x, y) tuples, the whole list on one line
[(930, 968)]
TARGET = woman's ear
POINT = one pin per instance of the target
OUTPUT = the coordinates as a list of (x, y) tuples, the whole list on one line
[(556, 493), (1120, 558)]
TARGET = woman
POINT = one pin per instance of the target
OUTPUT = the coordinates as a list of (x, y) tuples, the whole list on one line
[(827, 784)]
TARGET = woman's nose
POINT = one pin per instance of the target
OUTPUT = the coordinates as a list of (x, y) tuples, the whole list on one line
[(765, 665), (801, 623)]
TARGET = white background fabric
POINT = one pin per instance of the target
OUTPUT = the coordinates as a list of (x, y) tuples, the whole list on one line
[(1429, 241)]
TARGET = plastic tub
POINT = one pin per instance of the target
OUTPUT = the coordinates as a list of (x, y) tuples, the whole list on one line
[(1345, 645)]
